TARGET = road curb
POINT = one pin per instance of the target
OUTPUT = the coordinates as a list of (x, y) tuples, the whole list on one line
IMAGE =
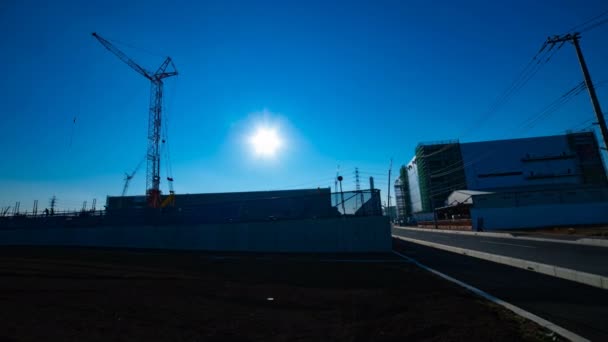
[(462, 232), (582, 241), (555, 271), (515, 309), (594, 242)]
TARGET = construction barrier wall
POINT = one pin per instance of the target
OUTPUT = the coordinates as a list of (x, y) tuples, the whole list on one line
[(539, 216), (328, 235)]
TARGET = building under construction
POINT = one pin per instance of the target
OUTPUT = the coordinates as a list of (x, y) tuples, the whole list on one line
[(229, 207), (440, 171), (550, 163), (307, 220), (301, 221)]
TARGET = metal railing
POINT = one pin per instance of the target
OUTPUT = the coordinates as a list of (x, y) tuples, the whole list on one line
[(206, 210), (357, 203), (57, 213)]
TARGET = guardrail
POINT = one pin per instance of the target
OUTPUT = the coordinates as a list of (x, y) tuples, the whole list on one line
[(456, 224)]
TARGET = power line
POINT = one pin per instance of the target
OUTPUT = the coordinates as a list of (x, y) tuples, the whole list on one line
[(553, 106), (574, 39), (588, 21), (589, 127), (594, 26), (527, 124), (547, 111), (372, 173), (581, 124), (542, 57), (310, 183), (527, 73)]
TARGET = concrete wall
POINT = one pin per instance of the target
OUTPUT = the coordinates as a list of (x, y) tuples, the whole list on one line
[(537, 216), (335, 235)]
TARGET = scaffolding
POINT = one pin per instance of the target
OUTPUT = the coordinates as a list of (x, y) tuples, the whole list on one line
[(440, 171)]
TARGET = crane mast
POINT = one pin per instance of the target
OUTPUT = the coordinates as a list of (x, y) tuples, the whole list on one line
[(154, 118)]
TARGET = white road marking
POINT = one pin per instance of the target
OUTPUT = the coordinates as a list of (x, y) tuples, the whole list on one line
[(508, 244), (550, 270), (517, 310)]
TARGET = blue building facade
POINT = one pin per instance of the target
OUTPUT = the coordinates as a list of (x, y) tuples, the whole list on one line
[(540, 163)]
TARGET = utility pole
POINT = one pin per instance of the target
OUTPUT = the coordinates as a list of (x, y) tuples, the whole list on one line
[(574, 38), (358, 186), (388, 210), (340, 178), (336, 184), (373, 198), (35, 209), (53, 203)]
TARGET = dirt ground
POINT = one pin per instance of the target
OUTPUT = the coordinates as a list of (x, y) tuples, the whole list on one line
[(76, 294)]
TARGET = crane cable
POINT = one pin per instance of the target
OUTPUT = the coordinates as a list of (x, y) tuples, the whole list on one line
[(165, 139)]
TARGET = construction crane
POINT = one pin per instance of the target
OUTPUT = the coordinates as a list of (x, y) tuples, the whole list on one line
[(130, 176), (154, 119)]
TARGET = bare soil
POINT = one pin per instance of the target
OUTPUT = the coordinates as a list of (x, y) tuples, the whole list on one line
[(77, 294)]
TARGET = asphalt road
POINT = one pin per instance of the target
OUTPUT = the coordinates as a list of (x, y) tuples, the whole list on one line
[(590, 259), (579, 308)]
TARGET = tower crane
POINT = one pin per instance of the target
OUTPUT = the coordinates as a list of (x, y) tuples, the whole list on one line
[(129, 176), (154, 118)]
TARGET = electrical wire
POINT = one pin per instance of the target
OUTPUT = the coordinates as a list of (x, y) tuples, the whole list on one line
[(584, 123), (542, 57), (165, 133), (594, 26), (309, 183), (553, 107), (547, 111), (588, 21), (528, 124)]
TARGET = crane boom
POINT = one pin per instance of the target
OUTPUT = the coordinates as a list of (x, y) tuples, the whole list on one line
[(154, 118), (121, 55), (130, 176)]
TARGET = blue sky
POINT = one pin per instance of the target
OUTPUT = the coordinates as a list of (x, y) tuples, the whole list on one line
[(352, 83)]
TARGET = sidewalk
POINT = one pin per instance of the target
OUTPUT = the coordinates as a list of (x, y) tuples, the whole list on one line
[(521, 235)]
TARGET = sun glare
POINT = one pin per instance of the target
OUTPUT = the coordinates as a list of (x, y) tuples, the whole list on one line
[(265, 142)]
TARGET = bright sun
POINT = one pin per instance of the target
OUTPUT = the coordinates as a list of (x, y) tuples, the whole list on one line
[(266, 142)]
